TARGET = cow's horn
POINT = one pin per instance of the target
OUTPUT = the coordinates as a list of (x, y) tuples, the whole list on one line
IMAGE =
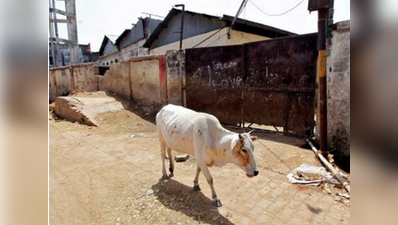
[(250, 131)]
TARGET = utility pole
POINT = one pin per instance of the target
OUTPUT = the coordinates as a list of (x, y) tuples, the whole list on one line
[(182, 23), (322, 6), (242, 6)]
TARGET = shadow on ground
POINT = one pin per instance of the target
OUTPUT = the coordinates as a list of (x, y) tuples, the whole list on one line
[(314, 210), (148, 113), (180, 197), (269, 135), (145, 112)]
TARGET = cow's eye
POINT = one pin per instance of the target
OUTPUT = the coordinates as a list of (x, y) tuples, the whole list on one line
[(244, 150)]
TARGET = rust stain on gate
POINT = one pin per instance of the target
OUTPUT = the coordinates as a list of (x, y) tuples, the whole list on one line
[(269, 82)]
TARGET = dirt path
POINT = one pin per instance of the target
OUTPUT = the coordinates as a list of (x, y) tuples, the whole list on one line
[(100, 175)]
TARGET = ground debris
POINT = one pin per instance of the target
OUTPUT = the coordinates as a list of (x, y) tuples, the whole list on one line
[(137, 135), (181, 158), (310, 175), (85, 109)]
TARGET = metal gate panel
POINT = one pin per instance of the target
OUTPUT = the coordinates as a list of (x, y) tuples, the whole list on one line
[(300, 118), (280, 77), (214, 82), (264, 107), (269, 82)]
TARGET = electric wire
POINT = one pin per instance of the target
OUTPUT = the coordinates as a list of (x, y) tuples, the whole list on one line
[(207, 38), (277, 14)]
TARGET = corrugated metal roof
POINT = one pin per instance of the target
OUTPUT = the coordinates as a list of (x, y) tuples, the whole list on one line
[(112, 37), (136, 33), (256, 28), (107, 38), (240, 24), (173, 12)]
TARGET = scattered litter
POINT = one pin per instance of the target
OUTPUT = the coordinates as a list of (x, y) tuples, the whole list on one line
[(343, 198), (310, 175), (275, 171), (346, 196), (327, 188), (149, 192), (181, 158), (137, 135)]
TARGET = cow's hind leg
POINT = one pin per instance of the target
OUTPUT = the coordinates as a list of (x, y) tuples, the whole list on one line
[(171, 165), (196, 180), (209, 178), (163, 155)]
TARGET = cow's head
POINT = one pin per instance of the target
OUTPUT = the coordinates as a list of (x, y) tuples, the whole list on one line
[(242, 151)]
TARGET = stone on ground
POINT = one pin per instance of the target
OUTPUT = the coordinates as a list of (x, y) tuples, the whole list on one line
[(85, 109)]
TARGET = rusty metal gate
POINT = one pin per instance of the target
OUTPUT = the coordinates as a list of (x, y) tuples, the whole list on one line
[(269, 82)]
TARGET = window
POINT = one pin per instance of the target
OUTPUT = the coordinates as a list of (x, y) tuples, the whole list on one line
[(107, 63), (116, 61)]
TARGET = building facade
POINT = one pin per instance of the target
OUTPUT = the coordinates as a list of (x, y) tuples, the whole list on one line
[(108, 53), (130, 42), (85, 54)]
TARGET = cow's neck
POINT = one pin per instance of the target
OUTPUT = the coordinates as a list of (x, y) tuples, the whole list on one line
[(231, 139), (223, 152)]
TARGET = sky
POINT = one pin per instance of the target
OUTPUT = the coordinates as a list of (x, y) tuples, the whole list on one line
[(96, 18)]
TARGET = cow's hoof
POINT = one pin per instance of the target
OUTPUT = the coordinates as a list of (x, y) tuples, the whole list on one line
[(217, 202), (164, 177), (171, 170), (196, 188)]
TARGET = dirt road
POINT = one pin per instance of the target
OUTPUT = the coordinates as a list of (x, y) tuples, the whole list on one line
[(102, 175)]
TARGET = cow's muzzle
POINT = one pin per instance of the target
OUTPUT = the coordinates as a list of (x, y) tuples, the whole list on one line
[(252, 175)]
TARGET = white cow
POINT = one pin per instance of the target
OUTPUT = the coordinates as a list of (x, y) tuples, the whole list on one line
[(201, 135)]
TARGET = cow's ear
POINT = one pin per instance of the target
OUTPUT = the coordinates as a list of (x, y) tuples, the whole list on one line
[(241, 140), (254, 138)]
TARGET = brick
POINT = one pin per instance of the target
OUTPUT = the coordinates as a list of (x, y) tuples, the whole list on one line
[(285, 185), (255, 212), (245, 221), (287, 212), (264, 204), (273, 184), (261, 219), (303, 214)]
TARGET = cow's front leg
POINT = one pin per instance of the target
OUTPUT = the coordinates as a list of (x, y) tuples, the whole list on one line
[(209, 178), (196, 180)]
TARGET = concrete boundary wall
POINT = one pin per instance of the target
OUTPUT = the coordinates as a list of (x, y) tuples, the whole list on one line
[(116, 79), (175, 74), (64, 80), (142, 79), (338, 86)]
